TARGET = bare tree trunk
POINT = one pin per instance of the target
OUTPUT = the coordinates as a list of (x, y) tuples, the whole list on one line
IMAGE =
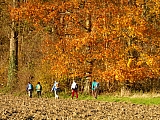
[(87, 84), (13, 60), (88, 23), (88, 63)]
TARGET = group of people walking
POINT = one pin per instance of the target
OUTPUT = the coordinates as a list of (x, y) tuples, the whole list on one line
[(30, 87), (55, 89)]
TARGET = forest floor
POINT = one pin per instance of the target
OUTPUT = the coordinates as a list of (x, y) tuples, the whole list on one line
[(24, 108)]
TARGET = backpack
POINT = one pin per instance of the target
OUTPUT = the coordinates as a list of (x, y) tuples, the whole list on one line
[(55, 87), (38, 87), (96, 86), (76, 87), (30, 87)]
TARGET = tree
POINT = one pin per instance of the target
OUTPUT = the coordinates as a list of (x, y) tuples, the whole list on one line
[(106, 39), (13, 59), (4, 41)]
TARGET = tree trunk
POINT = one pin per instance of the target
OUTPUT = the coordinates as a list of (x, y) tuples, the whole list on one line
[(13, 60), (87, 85), (89, 63), (88, 23)]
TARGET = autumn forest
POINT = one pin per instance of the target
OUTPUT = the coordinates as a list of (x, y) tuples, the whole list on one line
[(116, 42)]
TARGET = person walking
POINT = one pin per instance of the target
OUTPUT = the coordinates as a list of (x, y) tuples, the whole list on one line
[(55, 89), (29, 89), (74, 88), (38, 89), (95, 86)]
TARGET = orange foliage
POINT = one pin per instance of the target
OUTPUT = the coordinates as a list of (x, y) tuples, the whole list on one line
[(103, 50)]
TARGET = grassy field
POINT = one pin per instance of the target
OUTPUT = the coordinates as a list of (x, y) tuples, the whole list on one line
[(137, 98), (147, 100)]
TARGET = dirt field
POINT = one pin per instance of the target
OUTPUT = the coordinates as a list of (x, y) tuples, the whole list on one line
[(23, 108)]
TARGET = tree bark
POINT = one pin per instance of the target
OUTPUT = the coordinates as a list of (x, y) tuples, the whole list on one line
[(87, 85), (13, 60)]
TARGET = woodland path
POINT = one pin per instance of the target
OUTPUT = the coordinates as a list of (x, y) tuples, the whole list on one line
[(23, 108)]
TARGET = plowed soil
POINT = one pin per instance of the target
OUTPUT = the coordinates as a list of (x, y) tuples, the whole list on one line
[(24, 108)]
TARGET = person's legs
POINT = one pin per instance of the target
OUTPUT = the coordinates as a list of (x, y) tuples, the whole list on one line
[(56, 95), (93, 93), (73, 93), (76, 94), (39, 93), (31, 94)]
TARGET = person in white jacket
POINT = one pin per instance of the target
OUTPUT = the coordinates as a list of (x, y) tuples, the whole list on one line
[(55, 89), (74, 88)]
